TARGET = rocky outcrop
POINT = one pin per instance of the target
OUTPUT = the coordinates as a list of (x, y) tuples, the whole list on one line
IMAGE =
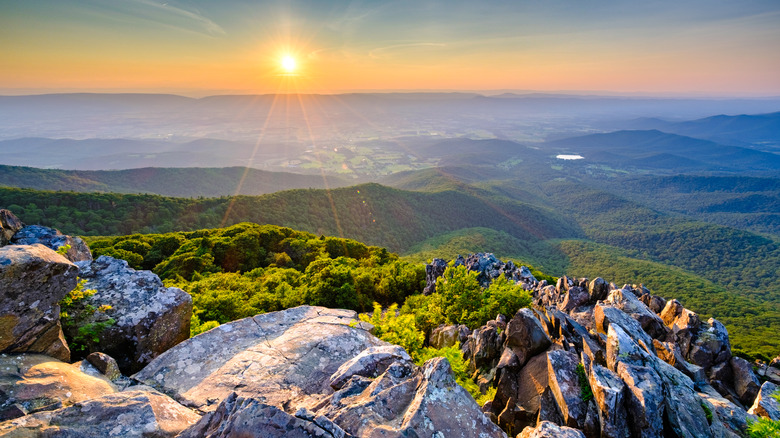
[(312, 369), (765, 404), (34, 279), (653, 367), (34, 382), (128, 414), (487, 267), (78, 250), (9, 225), (149, 318)]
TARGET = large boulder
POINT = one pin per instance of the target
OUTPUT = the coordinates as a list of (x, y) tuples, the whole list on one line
[(34, 382), (565, 385), (746, 384), (128, 414), (78, 251), (316, 365), (34, 279), (9, 225), (149, 318), (433, 271), (765, 404), (644, 404), (609, 392), (445, 336), (525, 336)]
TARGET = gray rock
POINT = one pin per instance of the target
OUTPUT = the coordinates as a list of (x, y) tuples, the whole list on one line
[(622, 348), (9, 225), (522, 388), (732, 418), (598, 289), (105, 364), (712, 345), (765, 404), (78, 251), (433, 271), (746, 384), (124, 414), (150, 318), (609, 393), (651, 323), (272, 357), (670, 353), (34, 382), (34, 279), (547, 429), (371, 362), (606, 316), (548, 408), (565, 386), (445, 336), (525, 336), (248, 417), (684, 413), (574, 298), (645, 403)]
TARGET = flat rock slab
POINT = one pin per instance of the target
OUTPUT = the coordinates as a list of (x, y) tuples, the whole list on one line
[(128, 414), (273, 357), (32, 382)]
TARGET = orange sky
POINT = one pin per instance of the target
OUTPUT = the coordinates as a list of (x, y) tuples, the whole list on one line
[(201, 47)]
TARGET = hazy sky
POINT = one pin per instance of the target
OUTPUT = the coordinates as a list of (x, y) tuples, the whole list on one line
[(722, 47)]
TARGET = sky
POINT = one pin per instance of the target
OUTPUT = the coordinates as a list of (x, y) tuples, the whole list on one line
[(200, 47)]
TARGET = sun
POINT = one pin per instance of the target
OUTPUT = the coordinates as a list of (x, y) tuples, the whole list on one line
[(288, 63)]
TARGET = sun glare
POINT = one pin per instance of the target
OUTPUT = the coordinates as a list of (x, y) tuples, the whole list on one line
[(288, 63)]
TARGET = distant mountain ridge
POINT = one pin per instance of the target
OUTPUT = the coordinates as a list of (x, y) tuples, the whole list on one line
[(180, 182)]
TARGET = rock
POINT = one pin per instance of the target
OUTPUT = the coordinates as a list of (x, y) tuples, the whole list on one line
[(522, 388), (486, 348), (371, 362), (547, 429), (574, 298), (606, 316), (731, 417), (105, 364), (150, 318), (684, 414), (78, 251), (711, 346), (670, 353), (248, 417), (548, 408), (272, 357), (765, 404), (746, 384), (445, 336), (9, 225), (630, 304), (609, 393), (34, 279), (644, 404), (433, 271), (565, 386), (598, 289), (525, 336), (653, 302), (441, 408), (123, 414), (622, 348), (35, 382)]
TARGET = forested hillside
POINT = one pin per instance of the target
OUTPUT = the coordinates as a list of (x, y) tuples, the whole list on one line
[(182, 182), (370, 213)]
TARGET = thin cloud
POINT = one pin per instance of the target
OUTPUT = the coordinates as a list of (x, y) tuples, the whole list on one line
[(182, 18), (381, 52)]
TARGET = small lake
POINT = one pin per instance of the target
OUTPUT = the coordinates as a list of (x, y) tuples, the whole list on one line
[(569, 157)]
